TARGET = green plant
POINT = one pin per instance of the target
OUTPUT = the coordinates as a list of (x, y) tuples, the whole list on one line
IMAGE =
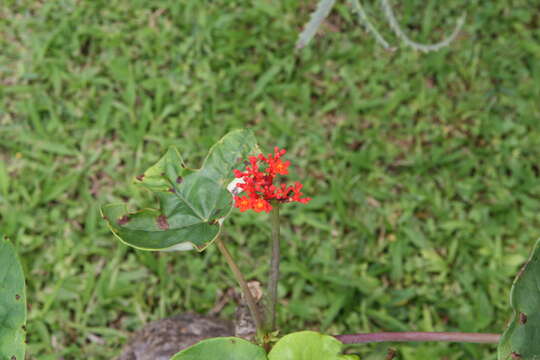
[(430, 164), (12, 303), (193, 207), (184, 194), (521, 340), (222, 348)]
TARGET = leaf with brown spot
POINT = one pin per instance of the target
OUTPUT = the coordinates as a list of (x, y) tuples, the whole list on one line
[(12, 303), (191, 202), (520, 340)]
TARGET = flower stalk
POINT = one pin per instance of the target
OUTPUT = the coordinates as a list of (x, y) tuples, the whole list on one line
[(262, 193), (419, 336), (273, 276), (252, 305)]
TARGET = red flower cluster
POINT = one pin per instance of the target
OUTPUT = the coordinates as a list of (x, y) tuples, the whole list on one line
[(258, 184)]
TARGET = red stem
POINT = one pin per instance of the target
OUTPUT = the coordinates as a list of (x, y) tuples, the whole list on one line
[(418, 336)]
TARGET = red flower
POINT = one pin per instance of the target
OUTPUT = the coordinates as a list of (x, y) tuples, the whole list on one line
[(261, 205), (258, 184), (243, 203)]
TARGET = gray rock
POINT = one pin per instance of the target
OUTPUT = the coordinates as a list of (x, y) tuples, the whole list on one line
[(161, 339)]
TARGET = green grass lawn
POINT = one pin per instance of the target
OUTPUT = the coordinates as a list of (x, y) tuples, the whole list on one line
[(423, 167)]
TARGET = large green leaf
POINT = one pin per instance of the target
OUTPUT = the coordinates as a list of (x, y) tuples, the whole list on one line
[(521, 340), (224, 348), (12, 303), (308, 345), (193, 203)]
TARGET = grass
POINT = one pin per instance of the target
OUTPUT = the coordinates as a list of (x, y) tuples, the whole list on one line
[(423, 167)]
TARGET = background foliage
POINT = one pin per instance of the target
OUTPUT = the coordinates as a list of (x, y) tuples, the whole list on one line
[(423, 167)]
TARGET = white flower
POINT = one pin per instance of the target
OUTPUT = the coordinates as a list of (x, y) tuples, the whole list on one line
[(233, 186)]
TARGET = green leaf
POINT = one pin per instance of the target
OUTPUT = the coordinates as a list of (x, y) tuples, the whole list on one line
[(521, 340), (193, 203), (12, 303), (308, 345), (224, 348)]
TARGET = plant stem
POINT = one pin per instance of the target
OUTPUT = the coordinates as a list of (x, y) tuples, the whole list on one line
[(273, 275), (419, 336), (252, 305)]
